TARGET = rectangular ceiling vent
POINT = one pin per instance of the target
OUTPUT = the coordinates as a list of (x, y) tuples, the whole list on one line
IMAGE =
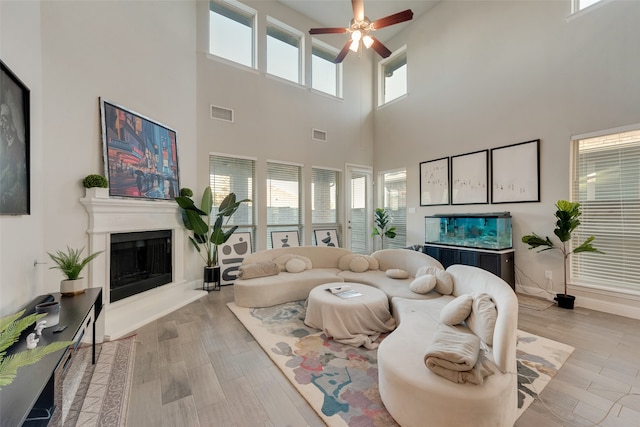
[(319, 135), (221, 113)]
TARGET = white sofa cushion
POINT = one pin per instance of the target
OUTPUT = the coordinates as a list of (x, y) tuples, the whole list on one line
[(457, 310), (444, 282), (283, 259), (359, 264), (397, 273), (258, 269), (423, 284), (296, 265), (483, 316)]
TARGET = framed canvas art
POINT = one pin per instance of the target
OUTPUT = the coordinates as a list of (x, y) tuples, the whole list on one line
[(141, 156), (232, 252), (285, 239), (434, 182), (327, 237), (15, 198), (469, 178), (515, 173)]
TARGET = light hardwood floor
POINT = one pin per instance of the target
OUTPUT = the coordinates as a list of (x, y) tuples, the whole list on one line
[(198, 366)]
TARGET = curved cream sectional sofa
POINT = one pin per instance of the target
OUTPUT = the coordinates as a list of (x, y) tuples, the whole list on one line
[(412, 393)]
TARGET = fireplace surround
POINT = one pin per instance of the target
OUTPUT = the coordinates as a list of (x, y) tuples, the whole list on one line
[(109, 216)]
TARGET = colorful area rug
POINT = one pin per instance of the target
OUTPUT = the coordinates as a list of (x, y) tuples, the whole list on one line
[(98, 395), (340, 382)]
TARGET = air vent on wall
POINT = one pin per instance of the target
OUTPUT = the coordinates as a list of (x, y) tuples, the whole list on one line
[(221, 113), (319, 135)]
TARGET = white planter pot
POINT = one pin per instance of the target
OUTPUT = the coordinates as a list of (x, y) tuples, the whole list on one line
[(96, 193), (72, 287)]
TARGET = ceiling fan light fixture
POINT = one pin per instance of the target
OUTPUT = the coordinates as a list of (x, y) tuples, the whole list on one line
[(355, 44), (356, 35), (367, 41)]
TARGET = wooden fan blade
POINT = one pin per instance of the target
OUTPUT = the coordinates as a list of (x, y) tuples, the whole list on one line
[(358, 10), (342, 53), (327, 30), (396, 18), (380, 48)]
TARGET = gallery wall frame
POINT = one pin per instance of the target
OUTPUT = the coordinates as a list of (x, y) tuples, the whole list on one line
[(515, 173), (140, 155), (434, 182), (15, 141), (469, 178), (326, 237), (285, 239), (232, 252)]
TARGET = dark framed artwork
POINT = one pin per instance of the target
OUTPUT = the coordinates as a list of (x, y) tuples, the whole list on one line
[(141, 155), (231, 254), (326, 237), (434, 182), (15, 194), (285, 239), (515, 173), (469, 178)]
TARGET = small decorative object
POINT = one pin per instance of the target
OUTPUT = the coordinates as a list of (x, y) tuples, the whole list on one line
[(32, 341), (71, 265), (52, 311), (11, 327), (93, 180), (567, 215), (206, 238), (382, 226), (40, 326)]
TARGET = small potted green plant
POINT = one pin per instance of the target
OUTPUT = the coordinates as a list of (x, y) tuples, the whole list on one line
[(71, 265), (382, 226), (96, 186), (209, 228), (567, 219)]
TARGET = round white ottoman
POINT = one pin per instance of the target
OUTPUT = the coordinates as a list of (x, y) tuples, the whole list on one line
[(357, 321)]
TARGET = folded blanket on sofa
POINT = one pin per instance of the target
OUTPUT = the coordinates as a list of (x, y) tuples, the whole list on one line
[(456, 356)]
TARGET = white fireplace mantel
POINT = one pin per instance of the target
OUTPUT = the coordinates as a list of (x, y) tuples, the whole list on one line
[(112, 215)]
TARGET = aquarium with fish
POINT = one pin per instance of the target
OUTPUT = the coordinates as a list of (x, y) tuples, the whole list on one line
[(482, 231)]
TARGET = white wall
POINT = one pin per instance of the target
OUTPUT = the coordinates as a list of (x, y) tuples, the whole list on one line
[(485, 74)]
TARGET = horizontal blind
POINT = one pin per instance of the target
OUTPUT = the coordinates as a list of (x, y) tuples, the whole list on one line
[(360, 232), (607, 184), (395, 203), (234, 175), (284, 211), (324, 199)]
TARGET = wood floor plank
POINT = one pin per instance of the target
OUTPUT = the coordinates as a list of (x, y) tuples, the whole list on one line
[(174, 381)]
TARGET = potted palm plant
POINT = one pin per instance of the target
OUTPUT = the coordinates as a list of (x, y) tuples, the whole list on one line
[(567, 215), (71, 265), (209, 229), (382, 226)]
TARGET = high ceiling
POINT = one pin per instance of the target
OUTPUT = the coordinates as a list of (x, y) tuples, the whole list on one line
[(338, 13)]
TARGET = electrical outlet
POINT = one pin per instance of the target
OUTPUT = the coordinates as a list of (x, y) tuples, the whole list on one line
[(548, 275)]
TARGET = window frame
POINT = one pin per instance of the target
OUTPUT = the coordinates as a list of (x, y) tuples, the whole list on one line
[(401, 225), (330, 53), (286, 31), (382, 83), (233, 7), (337, 224), (301, 207)]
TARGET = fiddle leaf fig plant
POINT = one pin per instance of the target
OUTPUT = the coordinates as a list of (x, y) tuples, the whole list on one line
[(567, 220), (382, 226), (209, 228)]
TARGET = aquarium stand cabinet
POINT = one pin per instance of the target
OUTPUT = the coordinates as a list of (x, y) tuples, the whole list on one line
[(500, 262)]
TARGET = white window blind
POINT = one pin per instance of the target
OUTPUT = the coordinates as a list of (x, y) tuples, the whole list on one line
[(234, 175), (606, 182), (395, 202), (284, 211), (360, 232), (324, 198)]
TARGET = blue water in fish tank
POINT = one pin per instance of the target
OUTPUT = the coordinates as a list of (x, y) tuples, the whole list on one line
[(482, 231)]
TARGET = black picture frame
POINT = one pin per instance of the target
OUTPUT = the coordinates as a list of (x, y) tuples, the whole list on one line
[(326, 237), (15, 141), (140, 155), (469, 178), (515, 173), (285, 239), (434, 182)]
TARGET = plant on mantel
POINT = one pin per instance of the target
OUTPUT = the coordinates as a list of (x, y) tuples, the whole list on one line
[(567, 220)]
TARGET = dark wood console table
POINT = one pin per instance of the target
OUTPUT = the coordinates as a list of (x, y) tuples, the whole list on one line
[(33, 389)]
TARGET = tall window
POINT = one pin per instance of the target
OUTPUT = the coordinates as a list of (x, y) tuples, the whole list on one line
[(234, 175), (606, 181), (284, 210), (324, 198), (231, 32), (394, 186), (325, 74), (578, 5), (392, 76), (284, 52)]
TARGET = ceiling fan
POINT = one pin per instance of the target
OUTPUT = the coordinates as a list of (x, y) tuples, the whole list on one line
[(361, 27)]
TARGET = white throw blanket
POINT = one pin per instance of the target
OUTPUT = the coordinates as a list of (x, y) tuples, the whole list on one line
[(456, 356)]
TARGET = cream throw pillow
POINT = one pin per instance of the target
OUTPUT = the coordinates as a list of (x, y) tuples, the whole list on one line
[(457, 310), (423, 284), (482, 320), (282, 260), (295, 265), (345, 261), (396, 273), (258, 269), (359, 264), (444, 281)]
